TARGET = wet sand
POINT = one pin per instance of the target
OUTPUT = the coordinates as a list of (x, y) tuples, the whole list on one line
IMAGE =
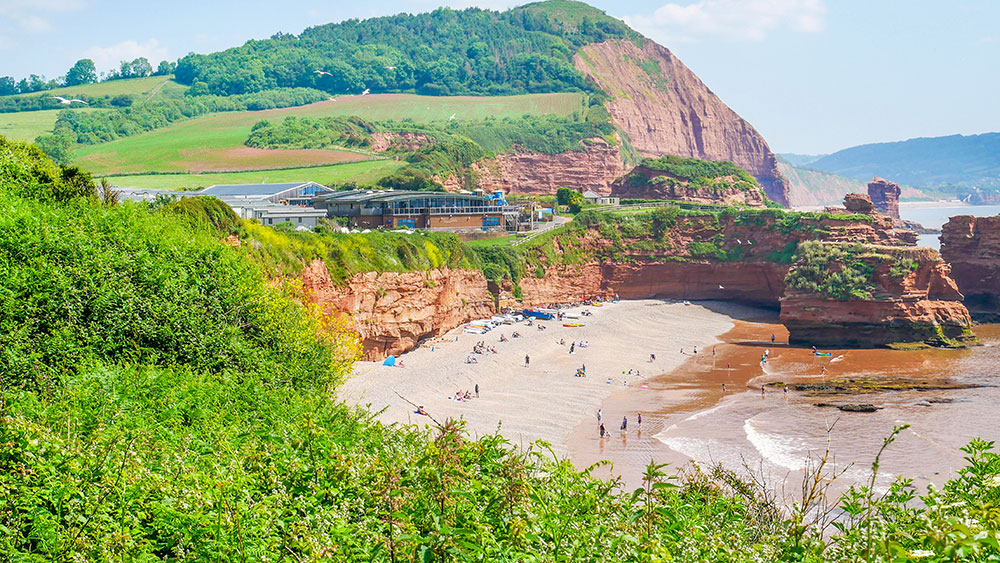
[(687, 416)]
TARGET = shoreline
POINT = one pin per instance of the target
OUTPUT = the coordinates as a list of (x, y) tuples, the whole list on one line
[(543, 401)]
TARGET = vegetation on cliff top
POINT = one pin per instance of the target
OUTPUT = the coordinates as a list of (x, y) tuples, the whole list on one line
[(694, 173), (159, 399), (475, 52), (847, 272)]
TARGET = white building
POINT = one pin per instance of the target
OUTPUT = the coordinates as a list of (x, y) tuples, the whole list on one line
[(597, 199)]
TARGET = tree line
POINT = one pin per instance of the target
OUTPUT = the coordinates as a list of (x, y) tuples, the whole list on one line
[(84, 72), (444, 52)]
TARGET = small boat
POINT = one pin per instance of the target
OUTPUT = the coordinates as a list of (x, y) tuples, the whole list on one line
[(574, 324), (538, 314), (823, 353)]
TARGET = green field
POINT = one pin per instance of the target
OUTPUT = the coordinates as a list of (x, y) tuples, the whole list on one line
[(364, 172), (215, 142), (26, 125), (162, 85)]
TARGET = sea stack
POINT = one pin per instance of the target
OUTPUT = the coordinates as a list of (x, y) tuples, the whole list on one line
[(885, 196)]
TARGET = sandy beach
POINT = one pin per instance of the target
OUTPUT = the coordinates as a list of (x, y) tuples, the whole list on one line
[(543, 401)]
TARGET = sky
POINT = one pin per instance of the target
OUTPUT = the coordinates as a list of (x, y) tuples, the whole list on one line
[(813, 76)]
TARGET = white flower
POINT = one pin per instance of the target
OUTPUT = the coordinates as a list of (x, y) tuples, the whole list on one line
[(921, 553)]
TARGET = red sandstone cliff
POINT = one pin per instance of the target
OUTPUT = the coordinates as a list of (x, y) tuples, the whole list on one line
[(593, 168), (645, 183), (665, 109), (923, 306), (394, 311), (885, 196), (972, 246)]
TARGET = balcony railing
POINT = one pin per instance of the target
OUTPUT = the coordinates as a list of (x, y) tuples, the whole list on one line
[(481, 210)]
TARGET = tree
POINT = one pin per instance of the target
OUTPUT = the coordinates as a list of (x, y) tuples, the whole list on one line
[(8, 86), (141, 67), (565, 195), (83, 72), (165, 68)]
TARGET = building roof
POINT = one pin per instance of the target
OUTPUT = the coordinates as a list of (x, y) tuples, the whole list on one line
[(590, 195), (255, 190), (365, 196)]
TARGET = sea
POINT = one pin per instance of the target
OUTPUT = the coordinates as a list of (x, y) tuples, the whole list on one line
[(933, 217), (778, 437)]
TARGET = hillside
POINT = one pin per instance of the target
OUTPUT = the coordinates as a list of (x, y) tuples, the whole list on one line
[(556, 48), (957, 160), (808, 187)]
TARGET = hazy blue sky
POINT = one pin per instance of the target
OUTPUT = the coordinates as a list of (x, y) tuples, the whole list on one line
[(811, 75)]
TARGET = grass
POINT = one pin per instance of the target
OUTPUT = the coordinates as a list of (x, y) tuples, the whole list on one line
[(162, 85), (25, 126), (362, 172), (216, 142)]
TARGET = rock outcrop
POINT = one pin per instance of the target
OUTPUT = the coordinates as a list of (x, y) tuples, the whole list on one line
[(394, 311), (972, 246), (594, 168), (923, 306), (861, 204), (885, 196), (665, 109), (644, 183), (382, 141)]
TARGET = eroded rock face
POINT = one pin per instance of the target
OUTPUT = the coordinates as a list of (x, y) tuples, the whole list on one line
[(885, 196), (925, 306), (594, 169), (972, 246), (625, 187), (665, 109), (394, 311), (405, 140), (858, 203)]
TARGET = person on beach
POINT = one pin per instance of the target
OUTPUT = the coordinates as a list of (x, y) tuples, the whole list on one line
[(762, 391), (477, 390), (822, 370), (625, 424), (599, 417), (695, 350), (786, 390), (713, 351), (723, 387), (572, 347), (772, 338), (652, 357), (639, 420), (603, 431), (527, 360)]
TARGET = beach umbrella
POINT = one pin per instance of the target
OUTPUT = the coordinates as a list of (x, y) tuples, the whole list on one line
[(390, 361)]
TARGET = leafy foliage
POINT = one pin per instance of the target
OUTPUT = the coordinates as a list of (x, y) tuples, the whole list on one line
[(694, 173), (844, 272), (445, 52)]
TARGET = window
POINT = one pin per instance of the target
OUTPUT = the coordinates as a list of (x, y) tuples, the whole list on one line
[(270, 221), (300, 219), (491, 221), (407, 223)]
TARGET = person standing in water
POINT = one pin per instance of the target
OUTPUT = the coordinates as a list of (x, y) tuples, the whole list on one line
[(639, 420), (625, 424), (762, 391)]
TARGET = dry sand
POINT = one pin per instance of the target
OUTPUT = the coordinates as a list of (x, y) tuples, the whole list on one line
[(544, 401)]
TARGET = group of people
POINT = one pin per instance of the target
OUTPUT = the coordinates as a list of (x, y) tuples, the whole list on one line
[(604, 433), (465, 395), (482, 348)]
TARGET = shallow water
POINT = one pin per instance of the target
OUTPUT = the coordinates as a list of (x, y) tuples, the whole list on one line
[(686, 415)]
